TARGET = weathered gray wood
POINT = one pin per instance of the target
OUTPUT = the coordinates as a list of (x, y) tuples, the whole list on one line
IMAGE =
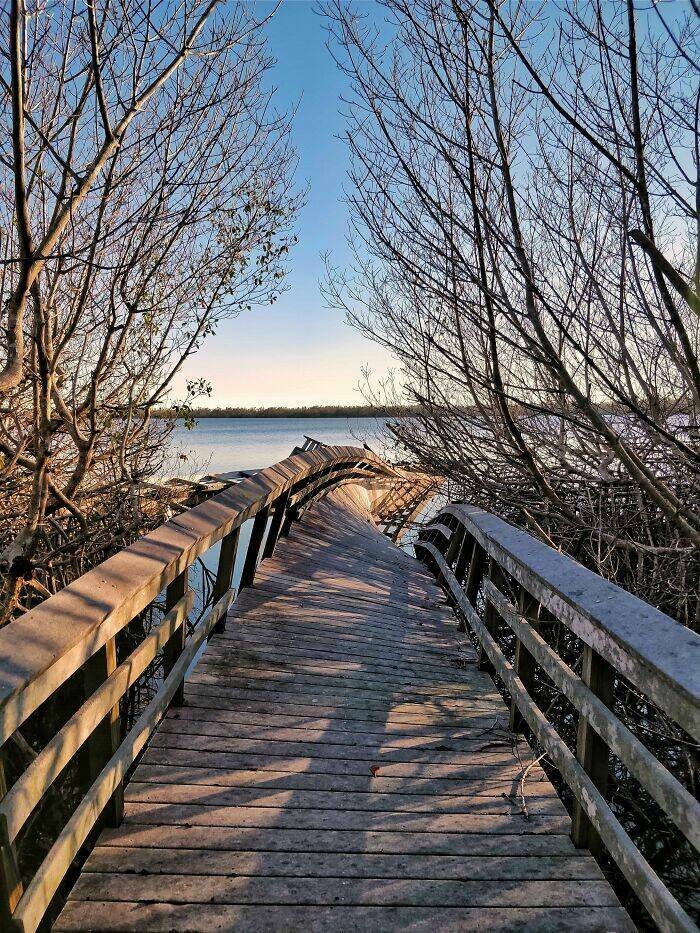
[(27, 791), (335, 751), (43, 886), (592, 750), (224, 571), (525, 666), (175, 645), (668, 792), (131, 917), (39, 651), (654, 895), (252, 554), (103, 742), (208, 889), (659, 656), (209, 862), (498, 580), (278, 517), (11, 887), (260, 839)]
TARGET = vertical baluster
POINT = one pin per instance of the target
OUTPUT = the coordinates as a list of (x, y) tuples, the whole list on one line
[(105, 740), (11, 887), (291, 516), (455, 546), (477, 565), (491, 618), (224, 572), (591, 751), (278, 517), (175, 645), (525, 665), (251, 557), (466, 552)]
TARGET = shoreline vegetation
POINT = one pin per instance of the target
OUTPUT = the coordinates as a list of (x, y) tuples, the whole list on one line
[(302, 411)]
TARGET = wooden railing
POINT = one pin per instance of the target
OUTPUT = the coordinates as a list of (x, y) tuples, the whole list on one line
[(71, 639), (505, 585)]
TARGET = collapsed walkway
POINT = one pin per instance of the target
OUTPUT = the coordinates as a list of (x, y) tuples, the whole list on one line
[(340, 763)]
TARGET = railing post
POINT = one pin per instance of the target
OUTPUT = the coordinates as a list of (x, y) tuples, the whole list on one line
[(477, 565), (466, 552), (497, 578), (455, 545), (224, 572), (591, 751), (175, 645), (289, 519), (11, 887), (251, 557), (524, 664), (278, 517), (105, 740)]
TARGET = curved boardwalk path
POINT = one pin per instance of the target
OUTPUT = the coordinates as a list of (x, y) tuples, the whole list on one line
[(340, 764)]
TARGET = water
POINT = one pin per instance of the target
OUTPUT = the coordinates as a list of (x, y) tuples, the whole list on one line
[(219, 445)]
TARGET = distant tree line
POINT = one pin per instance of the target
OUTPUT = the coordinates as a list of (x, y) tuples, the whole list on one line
[(281, 411)]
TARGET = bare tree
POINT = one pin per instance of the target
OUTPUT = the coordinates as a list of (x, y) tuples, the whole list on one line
[(524, 197), (146, 194)]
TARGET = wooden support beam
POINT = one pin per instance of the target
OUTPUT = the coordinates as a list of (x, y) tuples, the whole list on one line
[(291, 516), (11, 888), (466, 552), (525, 665), (592, 752), (276, 524), (224, 572), (455, 546), (498, 578), (174, 647), (104, 741), (251, 558)]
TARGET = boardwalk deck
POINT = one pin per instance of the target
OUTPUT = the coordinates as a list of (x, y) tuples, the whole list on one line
[(340, 764)]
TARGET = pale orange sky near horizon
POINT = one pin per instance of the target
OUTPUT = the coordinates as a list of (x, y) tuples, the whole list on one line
[(297, 352)]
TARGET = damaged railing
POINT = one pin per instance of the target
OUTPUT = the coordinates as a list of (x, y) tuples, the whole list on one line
[(70, 640), (506, 586)]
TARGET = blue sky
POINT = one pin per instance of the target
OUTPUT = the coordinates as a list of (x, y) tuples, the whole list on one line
[(298, 352)]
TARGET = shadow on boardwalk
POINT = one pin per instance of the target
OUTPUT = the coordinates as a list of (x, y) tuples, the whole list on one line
[(339, 764)]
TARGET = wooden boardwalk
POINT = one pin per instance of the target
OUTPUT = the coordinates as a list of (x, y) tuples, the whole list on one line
[(340, 764)]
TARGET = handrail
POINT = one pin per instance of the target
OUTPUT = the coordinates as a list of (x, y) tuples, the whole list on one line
[(74, 632), (475, 554)]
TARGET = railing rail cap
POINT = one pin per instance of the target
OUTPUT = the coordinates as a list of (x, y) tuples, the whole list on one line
[(73, 623), (656, 653)]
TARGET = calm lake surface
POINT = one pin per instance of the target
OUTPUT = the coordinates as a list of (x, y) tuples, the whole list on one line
[(218, 445)]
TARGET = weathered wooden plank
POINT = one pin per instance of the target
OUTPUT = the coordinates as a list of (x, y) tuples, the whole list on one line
[(362, 820), (536, 785), (365, 740), (339, 763), (208, 795), (340, 865), (235, 838), (283, 717), (132, 917), (384, 706), (426, 755), (215, 889), (497, 767)]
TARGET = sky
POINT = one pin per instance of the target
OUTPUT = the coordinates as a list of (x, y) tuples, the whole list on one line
[(297, 351)]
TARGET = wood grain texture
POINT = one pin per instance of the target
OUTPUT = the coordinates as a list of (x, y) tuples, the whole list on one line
[(340, 763)]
